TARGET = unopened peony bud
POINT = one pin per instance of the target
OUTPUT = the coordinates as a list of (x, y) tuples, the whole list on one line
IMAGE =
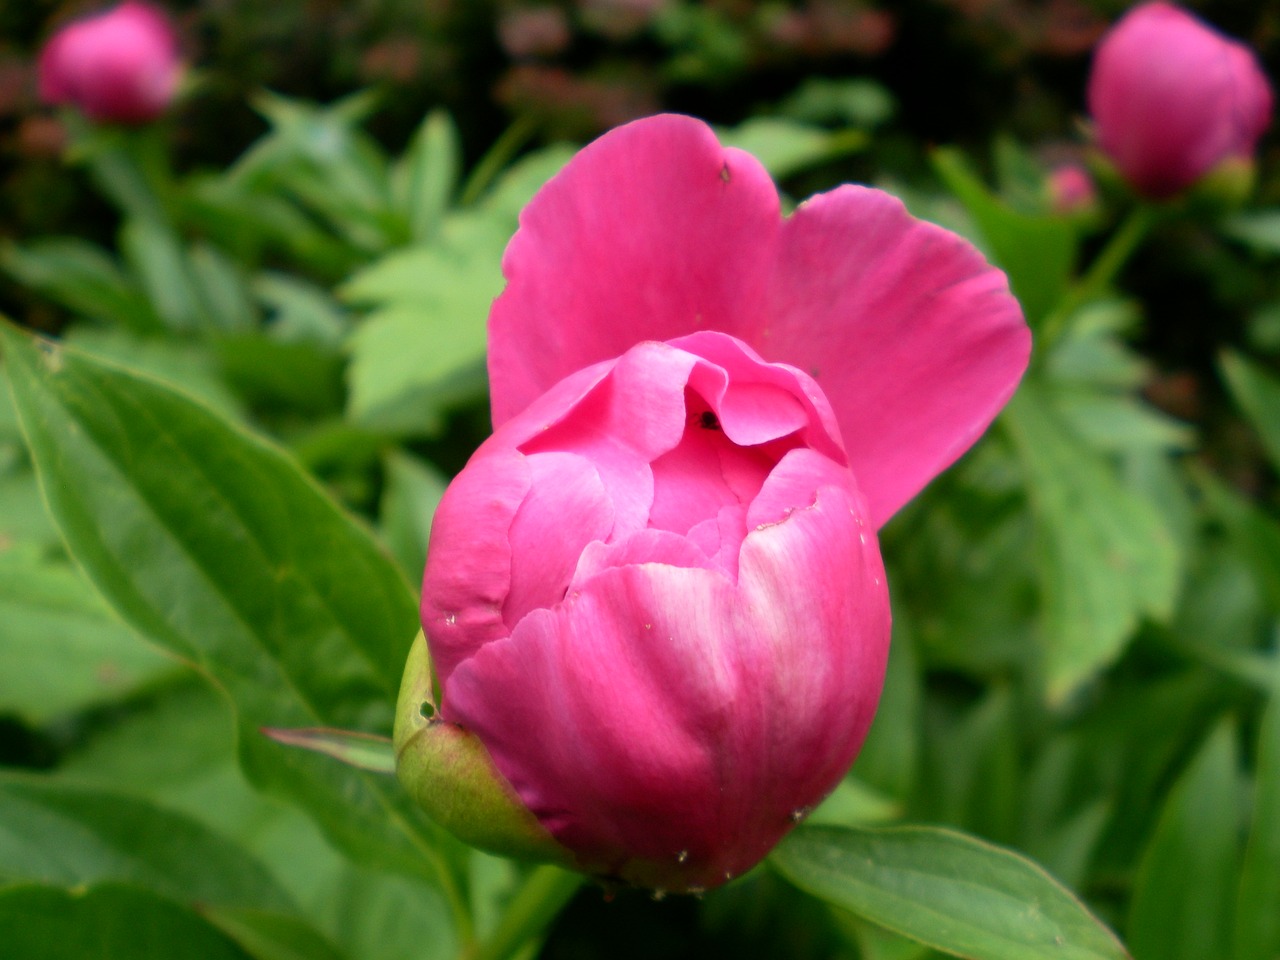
[(121, 66), (1172, 98), (1071, 190), (654, 599)]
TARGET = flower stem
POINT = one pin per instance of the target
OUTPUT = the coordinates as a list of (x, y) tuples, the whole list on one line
[(1100, 274), (540, 898)]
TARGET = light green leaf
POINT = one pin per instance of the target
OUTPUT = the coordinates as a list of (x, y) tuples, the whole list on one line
[(1182, 896), (1037, 252), (950, 891), (426, 177), (61, 650), (215, 545), (57, 834), (156, 256), (1259, 229), (271, 936), (1258, 394), (107, 923), (1107, 558), (1257, 919), (786, 147)]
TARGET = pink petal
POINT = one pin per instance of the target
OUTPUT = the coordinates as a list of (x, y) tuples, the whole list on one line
[(913, 336), (666, 723), (469, 576), (651, 232), (566, 509)]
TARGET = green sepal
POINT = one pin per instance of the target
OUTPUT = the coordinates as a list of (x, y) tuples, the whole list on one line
[(449, 773)]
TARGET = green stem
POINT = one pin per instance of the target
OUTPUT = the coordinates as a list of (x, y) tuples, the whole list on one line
[(540, 898), (1100, 274), (497, 159)]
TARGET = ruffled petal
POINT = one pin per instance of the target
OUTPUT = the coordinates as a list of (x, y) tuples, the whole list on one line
[(651, 232), (912, 335), (468, 577)]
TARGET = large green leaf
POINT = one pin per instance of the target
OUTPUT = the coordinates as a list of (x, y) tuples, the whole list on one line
[(68, 836), (1107, 558), (1182, 896), (215, 545), (60, 648), (1257, 917), (107, 923), (951, 891)]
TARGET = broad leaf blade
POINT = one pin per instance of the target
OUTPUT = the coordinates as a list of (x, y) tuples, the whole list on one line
[(950, 891), (62, 835), (1258, 908), (106, 923), (1258, 394), (215, 545), (1181, 907)]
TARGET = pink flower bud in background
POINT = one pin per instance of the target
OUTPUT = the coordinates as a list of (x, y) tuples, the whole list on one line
[(121, 66), (1172, 98), (1071, 190), (654, 599)]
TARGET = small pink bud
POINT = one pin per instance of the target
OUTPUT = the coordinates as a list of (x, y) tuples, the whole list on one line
[(1172, 98), (1071, 190), (121, 66)]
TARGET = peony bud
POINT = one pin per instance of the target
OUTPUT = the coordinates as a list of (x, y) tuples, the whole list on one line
[(1071, 191), (1172, 99), (121, 66), (654, 598)]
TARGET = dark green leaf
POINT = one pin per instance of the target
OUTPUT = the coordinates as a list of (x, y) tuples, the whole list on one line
[(271, 936), (1037, 253), (62, 835), (106, 923), (211, 542), (1258, 394), (1183, 893), (948, 890), (83, 278), (1257, 919), (427, 175)]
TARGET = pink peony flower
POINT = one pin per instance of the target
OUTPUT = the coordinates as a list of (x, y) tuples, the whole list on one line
[(121, 66), (1172, 98), (654, 598)]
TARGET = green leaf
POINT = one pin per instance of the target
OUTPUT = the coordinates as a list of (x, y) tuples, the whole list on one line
[(61, 835), (1258, 394), (81, 277), (1107, 557), (1257, 919), (412, 492), (426, 177), (786, 147), (950, 891), (213, 543), (157, 258), (364, 751), (1182, 896), (61, 649), (1037, 252), (107, 923), (271, 936), (1259, 229)]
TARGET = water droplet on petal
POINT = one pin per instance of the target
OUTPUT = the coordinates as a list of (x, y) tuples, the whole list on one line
[(799, 813), (682, 856), (696, 892), (862, 539), (658, 896), (450, 618)]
